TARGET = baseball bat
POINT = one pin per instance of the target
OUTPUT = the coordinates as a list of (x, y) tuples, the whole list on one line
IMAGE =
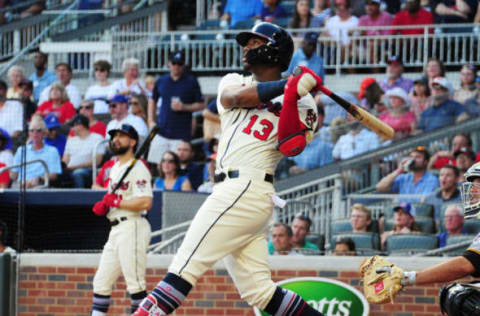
[(138, 154), (364, 117)]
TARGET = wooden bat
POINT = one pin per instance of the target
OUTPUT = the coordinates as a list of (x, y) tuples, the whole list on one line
[(138, 154), (373, 123)]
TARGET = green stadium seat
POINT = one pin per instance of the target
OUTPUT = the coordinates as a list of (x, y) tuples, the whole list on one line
[(340, 226), (361, 240), (415, 242), (455, 239)]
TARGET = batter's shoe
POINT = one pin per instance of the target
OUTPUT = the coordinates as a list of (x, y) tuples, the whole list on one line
[(148, 307)]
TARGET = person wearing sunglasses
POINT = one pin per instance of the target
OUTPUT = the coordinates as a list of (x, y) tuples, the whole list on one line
[(36, 149), (102, 89), (86, 108), (170, 178), (175, 97), (118, 107)]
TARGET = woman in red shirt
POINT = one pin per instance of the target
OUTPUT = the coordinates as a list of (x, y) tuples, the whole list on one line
[(398, 116), (58, 103)]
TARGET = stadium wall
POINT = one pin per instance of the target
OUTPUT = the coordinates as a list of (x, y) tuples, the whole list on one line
[(61, 284)]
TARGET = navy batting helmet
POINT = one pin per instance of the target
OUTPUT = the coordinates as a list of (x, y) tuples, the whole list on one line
[(278, 49)]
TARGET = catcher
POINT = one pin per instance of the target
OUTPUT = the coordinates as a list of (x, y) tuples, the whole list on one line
[(382, 280)]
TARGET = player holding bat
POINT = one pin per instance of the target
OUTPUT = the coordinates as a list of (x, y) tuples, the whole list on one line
[(128, 199)]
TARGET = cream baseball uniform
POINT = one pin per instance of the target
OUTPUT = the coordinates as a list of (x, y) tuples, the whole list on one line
[(126, 249), (232, 222)]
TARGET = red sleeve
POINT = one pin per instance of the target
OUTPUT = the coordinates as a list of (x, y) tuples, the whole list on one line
[(99, 127), (442, 161), (67, 112), (103, 175), (4, 176), (44, 107)]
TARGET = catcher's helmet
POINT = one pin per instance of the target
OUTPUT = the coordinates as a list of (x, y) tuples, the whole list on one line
[(471, 192), (278, 49)]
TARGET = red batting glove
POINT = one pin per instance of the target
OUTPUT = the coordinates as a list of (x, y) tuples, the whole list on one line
[(112, 200), (100, 209)]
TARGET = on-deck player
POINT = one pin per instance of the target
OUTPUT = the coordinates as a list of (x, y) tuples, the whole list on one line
[(232, 222), (126, 249)]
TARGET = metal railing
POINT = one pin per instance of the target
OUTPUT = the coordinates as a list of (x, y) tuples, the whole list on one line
[(169, 246), (46, 179)]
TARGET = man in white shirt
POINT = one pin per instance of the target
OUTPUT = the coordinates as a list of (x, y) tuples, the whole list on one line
[(118, 107), (64, 75), (79, 151)]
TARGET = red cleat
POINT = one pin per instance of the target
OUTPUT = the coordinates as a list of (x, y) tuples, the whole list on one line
[(148, 307)]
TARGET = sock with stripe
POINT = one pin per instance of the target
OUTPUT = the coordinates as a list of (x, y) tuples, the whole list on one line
[(136, 299), (171, 292), (100, 304), (288, 303)]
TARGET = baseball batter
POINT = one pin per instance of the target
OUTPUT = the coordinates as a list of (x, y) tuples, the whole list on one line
[(126, 249), (232, 223)]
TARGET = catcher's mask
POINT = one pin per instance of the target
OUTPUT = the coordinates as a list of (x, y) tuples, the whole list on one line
[(471, 192)]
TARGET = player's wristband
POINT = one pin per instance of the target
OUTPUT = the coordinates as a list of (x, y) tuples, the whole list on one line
[(409, 278), (271, 89)]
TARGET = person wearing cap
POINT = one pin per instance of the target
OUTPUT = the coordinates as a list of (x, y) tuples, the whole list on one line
[(11, 113), (54, 137), (420, 97), (126, 249), (464, 159), (36, 149), (102, 89), (15, 76), (413, 14), (467, 89), (398, 115), (453, 221), (403, 222), (64, 75), (175, 97), (370, 93), (42, 77), (444, 111), (307, 55), (446, 157), (131, 82), (79, 151), (411, 178), (448, 192), (394, 76), (118, 107), (58, 103)]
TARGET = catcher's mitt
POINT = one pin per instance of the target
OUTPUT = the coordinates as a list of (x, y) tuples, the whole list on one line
[(381, 279)]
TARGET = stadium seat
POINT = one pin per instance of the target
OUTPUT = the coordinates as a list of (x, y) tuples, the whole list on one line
[(341, 226), (361, 240), (283, 22), (472, 226), (317, 239), (209, 25), (244, 24), (423, 209), (455, 239), (414, 242)]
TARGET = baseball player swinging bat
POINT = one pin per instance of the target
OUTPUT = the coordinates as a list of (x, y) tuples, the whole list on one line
[(367, 119), (137, 156)]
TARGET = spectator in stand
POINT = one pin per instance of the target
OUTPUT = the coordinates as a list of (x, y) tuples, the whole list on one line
[(26, 94), (6, 156), (170, 178), (360, 218), (272, 10), (446, 157), (467, 89), (118, 106), (453, 220), (398, 115), (58, 103), (240, 10), (303, 17), (131, 82), (86, 108), (207, 185), (435, 68), (331, 108), (413, 14), (149, 85), (15, 76), (420, 97), (281, 243), (411, 177), (339, 26), (403, 222), (11, 113), (464, 159), (394, 76), (321, 11), (42, 77), (192, 170), (444, 111), (79, 151), (472, 105), (300, 229), (448, 191), (357, 141), (64, 75), (454, 11), (37, 149), (176, 96), (54, 137), (370, 93), (138, 105), (344, 246), (102, 89), (307, 56)]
